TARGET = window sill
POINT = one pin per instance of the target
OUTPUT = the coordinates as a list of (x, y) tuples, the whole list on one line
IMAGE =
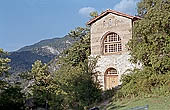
[(113, 53), (112, 74)]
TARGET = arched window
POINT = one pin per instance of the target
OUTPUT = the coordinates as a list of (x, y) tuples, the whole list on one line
[(112, 43), (111, 71)]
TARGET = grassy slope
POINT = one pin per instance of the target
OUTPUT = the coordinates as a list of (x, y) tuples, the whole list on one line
[(155, 103)]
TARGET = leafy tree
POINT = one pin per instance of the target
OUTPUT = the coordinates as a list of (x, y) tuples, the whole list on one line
[(144, 6), (43, 88), (94, 14), (75, 75), (150, 46), (11, 98), (4, 67), (151, 38)]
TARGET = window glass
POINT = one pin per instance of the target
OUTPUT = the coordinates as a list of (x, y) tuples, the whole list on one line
[(112, 71), (112, 43), (105, 48), (110, 48), (119, 47)]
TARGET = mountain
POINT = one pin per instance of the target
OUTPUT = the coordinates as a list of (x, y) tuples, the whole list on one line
[(45, 50)]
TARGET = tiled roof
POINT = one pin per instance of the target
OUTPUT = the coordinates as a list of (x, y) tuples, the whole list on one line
[(114, 12)]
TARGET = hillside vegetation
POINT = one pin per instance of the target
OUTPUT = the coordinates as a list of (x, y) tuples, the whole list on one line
[(149, 46), (45, 50), (70, 87), (74, 85), (153, 103)]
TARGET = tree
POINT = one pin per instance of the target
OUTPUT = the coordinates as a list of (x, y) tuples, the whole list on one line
[(94, 14), (144, 6), (11, 98), (151, 38), (43, 88), (4, 67), (150, 46), (74, 75)]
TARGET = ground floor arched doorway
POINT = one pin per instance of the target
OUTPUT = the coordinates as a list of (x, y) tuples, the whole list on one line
[(111, 78)]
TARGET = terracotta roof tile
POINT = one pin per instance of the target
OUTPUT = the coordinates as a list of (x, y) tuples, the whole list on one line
[(114, 12)]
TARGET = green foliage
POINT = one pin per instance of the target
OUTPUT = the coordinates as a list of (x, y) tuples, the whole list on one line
[(11, 98), (155, 103), (72, 86), (43, 87), (78, 86), (79, 33), (75, 76), (145, 83), (23, 59), (150, 46), (108, 93), (4, 67), (144, 6), (151, 38), (94, 14)]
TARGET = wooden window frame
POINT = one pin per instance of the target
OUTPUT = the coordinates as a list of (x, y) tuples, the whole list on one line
[(111, 71), (112, 44)]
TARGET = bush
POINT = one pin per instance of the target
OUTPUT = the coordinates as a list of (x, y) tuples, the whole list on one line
[(11, 98), (144, 83)]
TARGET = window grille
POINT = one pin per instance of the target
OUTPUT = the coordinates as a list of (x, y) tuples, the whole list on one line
[(112, 71), (112, 43)]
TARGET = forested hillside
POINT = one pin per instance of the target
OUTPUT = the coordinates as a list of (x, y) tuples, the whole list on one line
[(70, 87), (44, 50), (75, 85)]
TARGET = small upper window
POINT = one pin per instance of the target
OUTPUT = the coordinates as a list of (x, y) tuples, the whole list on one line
[(110, 22), (104, 23)]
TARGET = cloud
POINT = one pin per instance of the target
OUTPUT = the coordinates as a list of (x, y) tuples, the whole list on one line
[(127, 6), (85, 11)]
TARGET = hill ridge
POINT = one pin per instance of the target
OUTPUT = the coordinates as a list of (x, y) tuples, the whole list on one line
[(44, 50)]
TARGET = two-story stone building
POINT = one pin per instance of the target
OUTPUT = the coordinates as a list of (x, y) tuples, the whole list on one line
[(110, 32)]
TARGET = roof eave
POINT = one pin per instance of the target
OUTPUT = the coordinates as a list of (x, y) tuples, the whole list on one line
[(114, 12)]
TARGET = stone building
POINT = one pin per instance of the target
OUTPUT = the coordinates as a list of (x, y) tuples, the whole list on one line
[(110, 32)]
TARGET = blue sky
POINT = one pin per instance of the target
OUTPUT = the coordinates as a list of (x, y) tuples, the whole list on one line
[(25, 22)]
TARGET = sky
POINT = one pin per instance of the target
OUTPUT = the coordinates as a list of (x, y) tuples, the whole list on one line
[(25, 22)]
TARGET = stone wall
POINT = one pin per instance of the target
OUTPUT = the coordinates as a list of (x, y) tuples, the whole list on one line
[(120, 25), (123, 27), (119, 62)]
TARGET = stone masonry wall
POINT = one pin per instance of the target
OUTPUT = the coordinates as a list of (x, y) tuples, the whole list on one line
[(120, 25), (123, 27)]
